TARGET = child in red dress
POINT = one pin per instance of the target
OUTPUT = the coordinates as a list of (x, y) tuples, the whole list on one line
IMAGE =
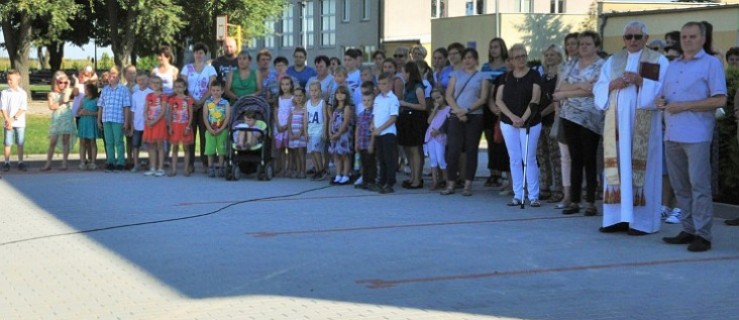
[(155, 130), (180, 122)]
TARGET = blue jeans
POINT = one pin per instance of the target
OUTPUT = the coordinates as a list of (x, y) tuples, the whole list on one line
[(115, 151)]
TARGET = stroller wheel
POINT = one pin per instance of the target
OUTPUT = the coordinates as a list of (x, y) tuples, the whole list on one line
[(236, 173), (268, 172), (227, 172)]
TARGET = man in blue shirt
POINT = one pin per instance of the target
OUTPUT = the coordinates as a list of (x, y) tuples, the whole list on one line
[(299, 69), (694, 87)]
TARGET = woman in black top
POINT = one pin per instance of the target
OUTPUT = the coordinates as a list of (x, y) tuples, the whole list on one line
[(519, 90), (411, 124)]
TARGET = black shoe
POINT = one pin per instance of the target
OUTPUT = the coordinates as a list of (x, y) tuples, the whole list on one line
[(373, 187), (109, 168), (387, 189), (405, 184), (619, 227), (634, 232), (22, 167), (120, 167), (311, 171), (682, 238), (6, 166), (591, 211), (699, 245), (732, 222), (572, 209)]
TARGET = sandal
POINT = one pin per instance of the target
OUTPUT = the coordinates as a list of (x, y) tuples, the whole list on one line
[(556, 197), (447, 191), (591, 211), (534, 203), (467, 192), (514, 202)]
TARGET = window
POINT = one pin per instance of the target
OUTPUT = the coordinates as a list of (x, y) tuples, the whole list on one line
[(346, 13), (328, 22), (366, 9), (557, 6), (308, 28), (525, 6), (474, 7), (438, 8), (269, 33), (288, 37)]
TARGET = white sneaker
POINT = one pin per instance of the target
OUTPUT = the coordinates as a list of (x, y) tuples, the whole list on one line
[(359, 181), (151, 172), (344, 180), (337, 179), (674, 217), (664, 212), (159, 173)]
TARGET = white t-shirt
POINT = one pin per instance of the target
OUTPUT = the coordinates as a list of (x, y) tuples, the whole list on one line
[(315, 118), (13, 100), (167, 78), (77, 103), (138, 107), (385, 107), (197, 83)]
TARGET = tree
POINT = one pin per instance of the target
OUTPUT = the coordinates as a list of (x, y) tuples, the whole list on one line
[(249, 14), (590, 22), (18, 18), (151, 22)]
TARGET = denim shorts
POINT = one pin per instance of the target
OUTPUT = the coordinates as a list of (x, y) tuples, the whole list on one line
[(136, 139), (18, 133)]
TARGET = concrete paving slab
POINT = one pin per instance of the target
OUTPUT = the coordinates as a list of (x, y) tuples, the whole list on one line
[(87, 245)]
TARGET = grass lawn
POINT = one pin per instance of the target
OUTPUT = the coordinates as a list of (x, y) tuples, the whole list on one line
[(37, 137), (34, 87)]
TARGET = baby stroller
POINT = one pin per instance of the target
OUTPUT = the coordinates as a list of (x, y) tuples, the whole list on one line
[(256, 158)]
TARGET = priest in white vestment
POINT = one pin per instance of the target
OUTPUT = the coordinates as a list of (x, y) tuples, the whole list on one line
[(629, 83)]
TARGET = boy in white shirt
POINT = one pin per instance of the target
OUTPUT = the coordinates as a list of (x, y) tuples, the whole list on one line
[(385, 112), (14, 103), (138, 106)]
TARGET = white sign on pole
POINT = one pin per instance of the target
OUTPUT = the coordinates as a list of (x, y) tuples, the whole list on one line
[(221, 28)]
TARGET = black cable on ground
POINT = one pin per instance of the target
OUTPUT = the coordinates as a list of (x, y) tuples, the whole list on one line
[(163, 220)]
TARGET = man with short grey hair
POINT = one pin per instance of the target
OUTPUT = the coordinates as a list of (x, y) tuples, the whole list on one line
[(694, 86), (629, 82)]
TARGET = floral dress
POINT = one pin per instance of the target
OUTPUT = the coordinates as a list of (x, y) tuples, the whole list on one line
[(62, 119), (342, 145)]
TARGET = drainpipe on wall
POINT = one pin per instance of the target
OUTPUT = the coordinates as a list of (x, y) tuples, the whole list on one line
[(497, 19), (381, 23)]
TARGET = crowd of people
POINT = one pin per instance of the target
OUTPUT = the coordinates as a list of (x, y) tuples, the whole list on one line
[(581, 121)]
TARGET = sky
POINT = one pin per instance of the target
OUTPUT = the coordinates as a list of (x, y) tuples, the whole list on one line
[(70, 51)]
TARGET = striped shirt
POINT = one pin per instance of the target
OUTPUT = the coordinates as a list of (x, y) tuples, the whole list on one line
[(364, 133)]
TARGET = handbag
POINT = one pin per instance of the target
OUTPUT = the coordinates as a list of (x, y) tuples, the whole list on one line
[(554, 132), (497, 133)]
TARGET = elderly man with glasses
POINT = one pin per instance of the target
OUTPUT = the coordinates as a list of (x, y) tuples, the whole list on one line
[(630, 81)]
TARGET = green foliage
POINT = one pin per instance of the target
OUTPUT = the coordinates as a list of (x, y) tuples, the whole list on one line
[(54, 13), (146, 63), (105, 62), (728, 144)]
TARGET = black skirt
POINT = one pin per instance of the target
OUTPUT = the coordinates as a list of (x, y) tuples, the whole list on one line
[(411, 125)]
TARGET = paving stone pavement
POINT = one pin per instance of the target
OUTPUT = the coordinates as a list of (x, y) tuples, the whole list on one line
[(94, 245)]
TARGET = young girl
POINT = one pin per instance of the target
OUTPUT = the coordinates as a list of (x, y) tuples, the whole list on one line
[(340, 135), (436, 139), (155, 131), (282, 115), (298, 136), (87, 129), (315, 124), (62, 119), (180, 123)]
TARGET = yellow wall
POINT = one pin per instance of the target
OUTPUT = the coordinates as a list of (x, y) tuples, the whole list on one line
[(616, 6), (537, 31), (725, 25)]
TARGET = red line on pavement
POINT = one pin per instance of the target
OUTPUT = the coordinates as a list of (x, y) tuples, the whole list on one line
[(379, 283), (267, 234)]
